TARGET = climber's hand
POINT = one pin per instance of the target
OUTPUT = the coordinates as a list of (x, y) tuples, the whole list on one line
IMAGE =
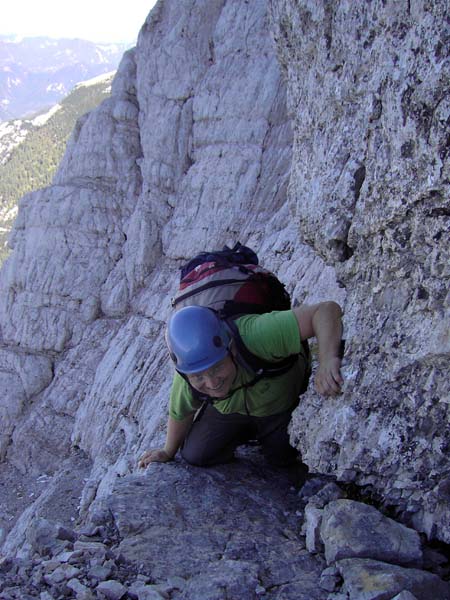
[(154, 455), (328, 378)]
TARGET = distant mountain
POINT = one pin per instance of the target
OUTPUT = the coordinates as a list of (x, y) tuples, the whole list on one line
[(35, 73), (31, 150)]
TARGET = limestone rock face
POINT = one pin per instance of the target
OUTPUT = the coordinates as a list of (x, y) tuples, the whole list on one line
[(23, 376), (368, 96), (324, 151)]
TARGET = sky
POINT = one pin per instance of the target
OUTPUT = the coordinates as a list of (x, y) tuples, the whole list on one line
[(93, 20)]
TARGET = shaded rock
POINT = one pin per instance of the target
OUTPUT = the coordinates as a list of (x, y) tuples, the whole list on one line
[(76, 586), (317, 497), (148, 593), (43, 537), (366, 579), (405, 595), (321, 492), (330, 579), (249, 527), (225, 578), (142, 591), (353, 529), (111, 589), (64, 533)]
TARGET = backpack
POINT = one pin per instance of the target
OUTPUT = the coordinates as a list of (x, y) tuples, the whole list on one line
[(231, 282)]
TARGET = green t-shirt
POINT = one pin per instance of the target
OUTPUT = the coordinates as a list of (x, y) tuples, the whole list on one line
[(271, 336)]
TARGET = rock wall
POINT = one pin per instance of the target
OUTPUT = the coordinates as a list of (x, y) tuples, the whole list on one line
[(368, 94), (323, 170)]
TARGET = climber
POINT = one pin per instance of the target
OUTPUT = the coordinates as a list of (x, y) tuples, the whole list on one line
[(239, 409)]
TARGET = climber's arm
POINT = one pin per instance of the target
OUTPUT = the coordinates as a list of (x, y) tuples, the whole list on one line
[(176, 433), (324, 322)]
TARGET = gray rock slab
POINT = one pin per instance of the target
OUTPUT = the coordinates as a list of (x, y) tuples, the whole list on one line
[(225, 578), (200, 524), (330, 579), (366, 579), (353, 529), (111, 589), (64, 572)]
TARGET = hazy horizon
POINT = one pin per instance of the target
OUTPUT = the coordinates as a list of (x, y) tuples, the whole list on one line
[(97, 21)]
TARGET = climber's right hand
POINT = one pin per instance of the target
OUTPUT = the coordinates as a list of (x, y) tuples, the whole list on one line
[(154, 455)]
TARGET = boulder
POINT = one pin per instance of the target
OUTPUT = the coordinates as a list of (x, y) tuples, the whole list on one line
[(353, 529)]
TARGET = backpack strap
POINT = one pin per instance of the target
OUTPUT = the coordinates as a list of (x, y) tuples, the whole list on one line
[(269, 369), (205, 399), (259, 366)]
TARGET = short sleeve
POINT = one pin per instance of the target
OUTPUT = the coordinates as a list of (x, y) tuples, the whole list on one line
[(271, 336)]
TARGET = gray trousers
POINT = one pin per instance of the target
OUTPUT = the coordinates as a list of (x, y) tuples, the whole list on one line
[(214, 437)]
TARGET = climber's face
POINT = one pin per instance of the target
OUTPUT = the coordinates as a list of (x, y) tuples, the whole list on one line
[(215, 381)]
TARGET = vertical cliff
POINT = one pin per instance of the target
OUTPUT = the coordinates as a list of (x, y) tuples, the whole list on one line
[(368, 95), (333, 167)]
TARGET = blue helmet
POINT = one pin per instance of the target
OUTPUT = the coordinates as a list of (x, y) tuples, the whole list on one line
[(197, 339)]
